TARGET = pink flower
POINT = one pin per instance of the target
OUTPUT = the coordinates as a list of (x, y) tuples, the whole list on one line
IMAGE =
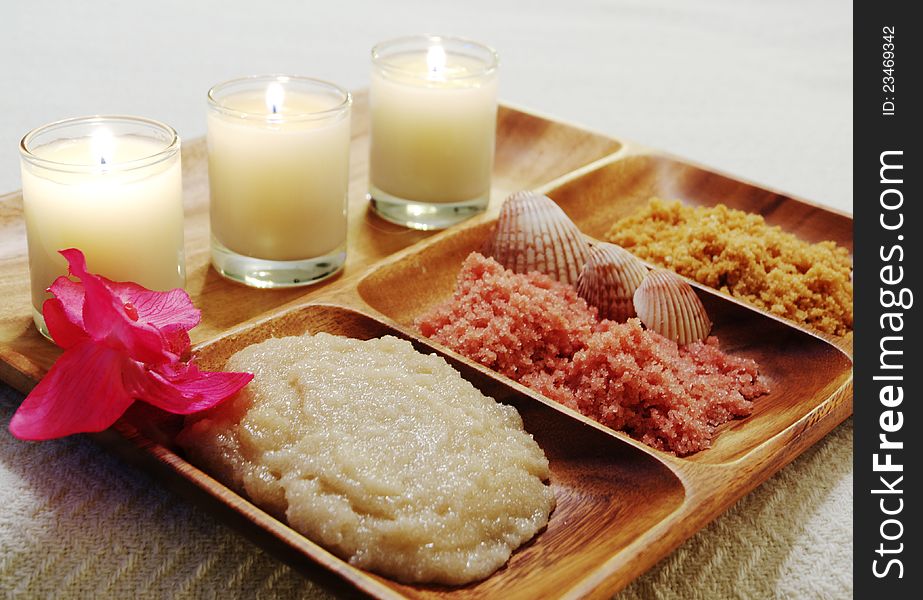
[(121, 342)]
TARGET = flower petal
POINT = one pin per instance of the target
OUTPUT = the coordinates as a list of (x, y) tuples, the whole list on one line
[(167, 311), (106, 320), (63, 314), (172, 313), (82, 392), (70, 294), (61, 328), (178, 343), (184, 389), (76, 262)]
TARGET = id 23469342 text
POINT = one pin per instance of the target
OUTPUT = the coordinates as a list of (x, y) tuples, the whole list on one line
[(887, 70)]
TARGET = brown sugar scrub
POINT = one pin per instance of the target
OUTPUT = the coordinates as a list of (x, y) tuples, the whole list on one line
[(541, 333), (739, 254), (385, 456)]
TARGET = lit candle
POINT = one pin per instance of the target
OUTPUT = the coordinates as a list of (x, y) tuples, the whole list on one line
[(278, 165), (110, 186), (433, 120)]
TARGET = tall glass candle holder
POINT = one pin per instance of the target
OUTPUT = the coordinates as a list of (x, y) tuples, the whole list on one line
[(110, 186), (433, 122), (278, 172)]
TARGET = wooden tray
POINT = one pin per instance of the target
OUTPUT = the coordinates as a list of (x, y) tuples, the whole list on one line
[(621, 505)]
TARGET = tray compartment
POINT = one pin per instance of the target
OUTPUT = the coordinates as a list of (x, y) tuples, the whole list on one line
[(596, 200), (532, 150), (803, 370), (609, 492)]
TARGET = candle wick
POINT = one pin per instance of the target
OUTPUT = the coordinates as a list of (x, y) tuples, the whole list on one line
[(275, 109), (102, 160)]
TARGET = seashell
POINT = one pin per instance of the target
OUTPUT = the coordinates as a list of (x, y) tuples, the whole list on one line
[(534, 234), (668, 305), (609, 279)]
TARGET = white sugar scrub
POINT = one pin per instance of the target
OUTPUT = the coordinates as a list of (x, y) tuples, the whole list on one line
[(385, 456)]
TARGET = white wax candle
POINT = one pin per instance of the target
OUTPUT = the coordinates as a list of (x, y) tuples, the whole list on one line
[(278, 161), (433, 125), (128, 222)]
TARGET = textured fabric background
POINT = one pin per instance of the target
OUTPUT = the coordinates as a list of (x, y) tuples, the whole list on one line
[(758, 89)]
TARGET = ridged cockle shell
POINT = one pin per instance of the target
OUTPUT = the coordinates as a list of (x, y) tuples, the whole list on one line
[(534, 234), (668, 305), (609, 279)]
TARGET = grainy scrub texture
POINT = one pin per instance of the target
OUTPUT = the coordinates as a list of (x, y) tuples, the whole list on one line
[(738, 253), (539, 332), (383, 455)]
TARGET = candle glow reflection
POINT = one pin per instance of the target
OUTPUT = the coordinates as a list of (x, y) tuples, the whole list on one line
[(275, 97), (102, 146), (435, 62)]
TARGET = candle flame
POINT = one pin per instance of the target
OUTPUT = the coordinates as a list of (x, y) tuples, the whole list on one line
[(275, 96), (102, 146), (435, 61)]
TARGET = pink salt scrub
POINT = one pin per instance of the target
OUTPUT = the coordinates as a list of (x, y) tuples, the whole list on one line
[(539, 332)]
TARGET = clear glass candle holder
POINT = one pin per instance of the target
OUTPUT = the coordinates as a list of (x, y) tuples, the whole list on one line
[(278, 172), (110, 186), (433, 104)]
